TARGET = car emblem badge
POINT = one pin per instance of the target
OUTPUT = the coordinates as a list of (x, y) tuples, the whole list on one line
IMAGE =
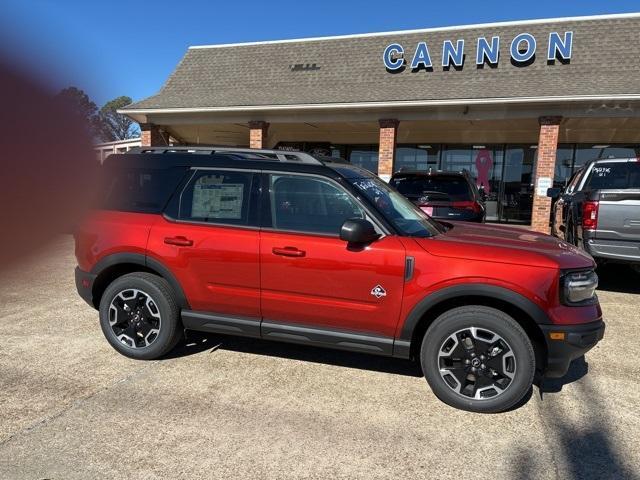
[(378, 291)]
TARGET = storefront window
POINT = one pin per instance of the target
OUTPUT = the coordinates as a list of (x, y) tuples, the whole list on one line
[(365, 156), (504, 172), (416, 158), (516, 199), (484, 163), (564, 165), (585, 153)]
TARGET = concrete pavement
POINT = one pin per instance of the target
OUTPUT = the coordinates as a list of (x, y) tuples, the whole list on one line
[(224, 407)]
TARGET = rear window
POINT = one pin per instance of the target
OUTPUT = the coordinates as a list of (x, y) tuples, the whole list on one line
[(452, 188), (138, 190), (613, 175)]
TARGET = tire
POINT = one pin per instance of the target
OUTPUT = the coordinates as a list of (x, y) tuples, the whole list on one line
[(493, 390), (149, 328)]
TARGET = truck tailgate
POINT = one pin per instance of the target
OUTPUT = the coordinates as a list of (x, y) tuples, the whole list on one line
[(619, 215)]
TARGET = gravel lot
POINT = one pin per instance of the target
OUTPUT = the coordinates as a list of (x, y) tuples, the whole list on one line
[(224, 407)]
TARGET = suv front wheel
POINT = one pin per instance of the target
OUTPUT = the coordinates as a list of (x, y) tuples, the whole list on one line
[(139, 316), (478, 358)]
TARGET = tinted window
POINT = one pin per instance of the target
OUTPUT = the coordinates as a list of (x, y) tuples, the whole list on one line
[(139, 190), (614, 175), (309, 204), (217, 197), (452, 188)]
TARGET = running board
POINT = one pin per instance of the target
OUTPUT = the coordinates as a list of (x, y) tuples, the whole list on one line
[(283, 332), (207, 322), (321, 337)]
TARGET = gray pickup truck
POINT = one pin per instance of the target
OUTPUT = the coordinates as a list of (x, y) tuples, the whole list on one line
[(599, 210)]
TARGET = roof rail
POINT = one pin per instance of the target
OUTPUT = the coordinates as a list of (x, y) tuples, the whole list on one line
[(276, 155)]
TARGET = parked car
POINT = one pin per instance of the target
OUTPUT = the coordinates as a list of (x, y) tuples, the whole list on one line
[(599, 211), (327, 254), (442, 195)]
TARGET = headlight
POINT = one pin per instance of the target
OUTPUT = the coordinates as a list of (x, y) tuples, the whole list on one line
[(579, 288)]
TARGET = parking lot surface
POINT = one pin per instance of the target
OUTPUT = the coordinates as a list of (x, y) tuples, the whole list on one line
[(225, 407)]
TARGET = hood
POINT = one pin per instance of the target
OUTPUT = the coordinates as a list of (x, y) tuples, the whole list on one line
[(498, 243)]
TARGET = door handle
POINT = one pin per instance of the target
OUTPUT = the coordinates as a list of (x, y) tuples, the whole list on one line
[(180, 241), (288, 252)]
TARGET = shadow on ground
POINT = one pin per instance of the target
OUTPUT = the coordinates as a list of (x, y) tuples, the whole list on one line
[(582, 442), (577, 369), (587, 445), (618, 278), (197, 342)]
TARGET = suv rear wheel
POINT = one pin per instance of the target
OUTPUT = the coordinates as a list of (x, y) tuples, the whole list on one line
[(139, 316), (478, 358)]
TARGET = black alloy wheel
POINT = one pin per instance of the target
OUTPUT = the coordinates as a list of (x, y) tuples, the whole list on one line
[(139, 316), (478, 358), (135, 318), (477, 363)]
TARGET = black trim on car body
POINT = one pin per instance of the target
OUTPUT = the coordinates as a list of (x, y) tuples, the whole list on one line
[(327, 337), (145, 261), (86, 293), (227, 324), (285, 332), (466, 290), (578, 339)]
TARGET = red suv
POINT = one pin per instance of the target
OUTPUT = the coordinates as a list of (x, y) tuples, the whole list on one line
[(323, 253)]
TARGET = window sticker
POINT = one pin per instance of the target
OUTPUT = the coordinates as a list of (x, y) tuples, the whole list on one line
[(601, 171), (213, 199)]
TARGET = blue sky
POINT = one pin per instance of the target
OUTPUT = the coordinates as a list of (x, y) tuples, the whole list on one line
[(115, 47)]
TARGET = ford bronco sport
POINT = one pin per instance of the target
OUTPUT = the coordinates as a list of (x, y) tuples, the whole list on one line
[(323, 253)]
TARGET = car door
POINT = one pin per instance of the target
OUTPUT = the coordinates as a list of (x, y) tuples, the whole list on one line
[(309, 277), (209, 238)]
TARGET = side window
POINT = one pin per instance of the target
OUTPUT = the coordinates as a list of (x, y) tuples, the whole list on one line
[(138, 190), (573, 182), (218, 197), (308, 204)]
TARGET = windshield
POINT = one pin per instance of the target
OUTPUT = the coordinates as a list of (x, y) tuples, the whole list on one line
[(400, 212)]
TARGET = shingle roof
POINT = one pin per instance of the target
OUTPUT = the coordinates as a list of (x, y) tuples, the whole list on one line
[(605, 61)]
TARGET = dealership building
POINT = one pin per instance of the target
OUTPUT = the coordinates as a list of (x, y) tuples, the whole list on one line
[(520, 105)]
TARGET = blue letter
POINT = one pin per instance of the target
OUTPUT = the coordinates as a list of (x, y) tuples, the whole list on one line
[(421, 57), (490, 53), (449, 53), (529, 52), (561, 47), (392, 51)]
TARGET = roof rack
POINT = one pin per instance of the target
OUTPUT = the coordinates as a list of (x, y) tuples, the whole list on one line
[(276, 155)]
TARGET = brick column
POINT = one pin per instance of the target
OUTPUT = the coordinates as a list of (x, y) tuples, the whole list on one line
[(150, 136), (387, 147), (545, 167), (258, 134)]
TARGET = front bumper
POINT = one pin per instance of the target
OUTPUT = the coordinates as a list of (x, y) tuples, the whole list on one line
[(576, 341), (84, 285)]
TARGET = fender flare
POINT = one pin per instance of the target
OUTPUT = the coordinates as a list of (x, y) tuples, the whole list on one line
[(476, 290), (145, 261)]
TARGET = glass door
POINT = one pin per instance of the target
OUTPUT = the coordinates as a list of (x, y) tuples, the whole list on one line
[(516, 196)]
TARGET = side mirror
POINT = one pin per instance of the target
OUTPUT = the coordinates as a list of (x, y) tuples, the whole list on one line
[(358, 231), (553, 192)]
